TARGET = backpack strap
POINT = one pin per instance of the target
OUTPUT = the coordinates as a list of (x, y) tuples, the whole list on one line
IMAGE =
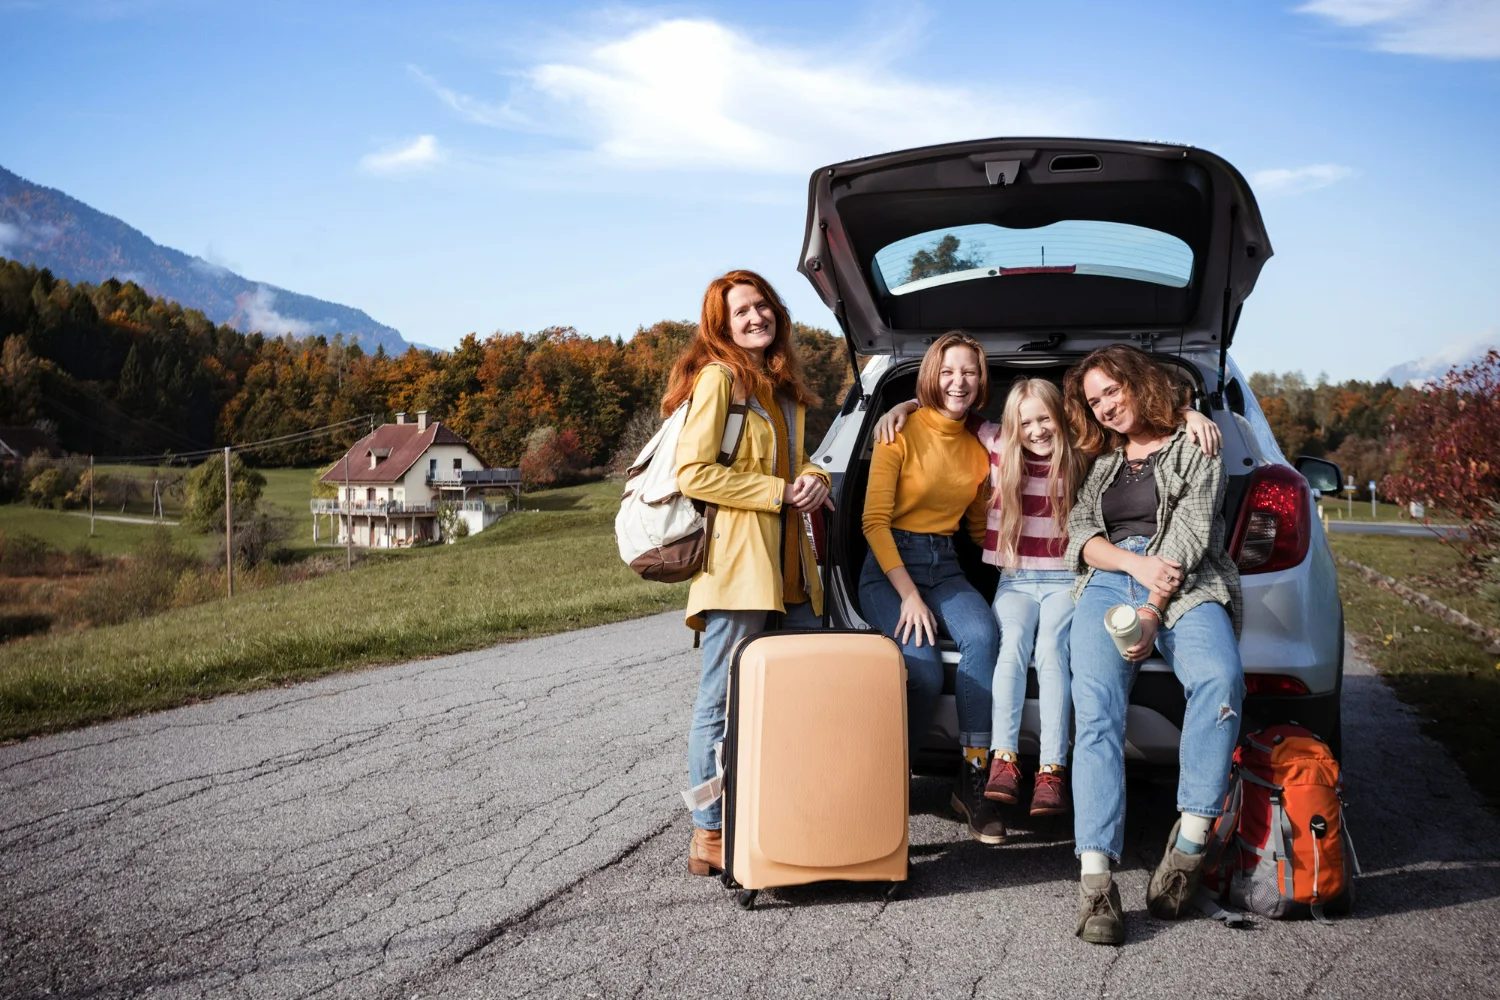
[(1211, 907), (1226, 827), (1281, 833), (729, 447)]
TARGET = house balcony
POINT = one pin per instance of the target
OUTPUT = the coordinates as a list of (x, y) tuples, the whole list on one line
[(391, 508), (476, 477)]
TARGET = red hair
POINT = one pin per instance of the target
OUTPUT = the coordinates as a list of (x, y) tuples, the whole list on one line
[(781, 371)]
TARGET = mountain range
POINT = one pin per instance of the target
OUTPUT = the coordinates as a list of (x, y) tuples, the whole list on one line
[(48, 228), (1434, 366)]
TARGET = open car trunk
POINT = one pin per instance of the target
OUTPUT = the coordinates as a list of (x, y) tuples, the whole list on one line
[(1034, 244)]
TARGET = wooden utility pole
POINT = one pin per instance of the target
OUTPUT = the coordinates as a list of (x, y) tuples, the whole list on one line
[(228, 525), (91, 496), (348, 518)]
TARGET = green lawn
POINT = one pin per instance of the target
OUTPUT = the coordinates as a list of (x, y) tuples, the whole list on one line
[(1389, 512), (1438, 668), (67, 530), (531, 574)]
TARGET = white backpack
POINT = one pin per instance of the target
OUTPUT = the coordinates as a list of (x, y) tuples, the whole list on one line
[(662, 534)]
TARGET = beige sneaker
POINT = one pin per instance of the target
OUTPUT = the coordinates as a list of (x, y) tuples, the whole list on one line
[(1100, 920), (1175, 880)]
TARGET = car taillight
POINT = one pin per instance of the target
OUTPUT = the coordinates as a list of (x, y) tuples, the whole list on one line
[(1274, 526), (1273, 684)]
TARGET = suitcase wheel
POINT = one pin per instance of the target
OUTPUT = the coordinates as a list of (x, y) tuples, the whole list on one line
[(895, 891), (745, 898)]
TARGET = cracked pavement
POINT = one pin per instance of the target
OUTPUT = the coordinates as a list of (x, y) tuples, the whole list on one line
[(506, 823)]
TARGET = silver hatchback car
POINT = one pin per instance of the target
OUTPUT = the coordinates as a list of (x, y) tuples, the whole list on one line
[(1045, 249)]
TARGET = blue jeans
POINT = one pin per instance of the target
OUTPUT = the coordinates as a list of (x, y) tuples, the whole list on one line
[(720, 639), (1203, 653), (1035, 612), (934, 568)]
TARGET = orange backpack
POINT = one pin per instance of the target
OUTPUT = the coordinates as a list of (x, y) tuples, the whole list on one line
[(1281, 849)]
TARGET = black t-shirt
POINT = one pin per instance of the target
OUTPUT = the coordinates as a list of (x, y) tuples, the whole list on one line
[(1129, 503)]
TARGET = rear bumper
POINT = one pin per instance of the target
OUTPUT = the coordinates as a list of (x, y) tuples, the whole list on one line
[(1153, 723)]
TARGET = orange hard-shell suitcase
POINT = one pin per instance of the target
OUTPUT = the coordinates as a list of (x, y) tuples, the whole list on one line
[(815, 761)]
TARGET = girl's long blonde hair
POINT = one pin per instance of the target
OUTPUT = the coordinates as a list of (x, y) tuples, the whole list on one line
[(1065, 470)]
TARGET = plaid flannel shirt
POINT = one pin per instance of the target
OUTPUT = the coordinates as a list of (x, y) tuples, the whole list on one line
[(1189, 525)]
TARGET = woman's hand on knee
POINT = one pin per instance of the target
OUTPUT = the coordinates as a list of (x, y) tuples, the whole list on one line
[(1154, 573), (916, 619)]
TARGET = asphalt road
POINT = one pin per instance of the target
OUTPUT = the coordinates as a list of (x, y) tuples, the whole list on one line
[(1397, 528), (506, 823)]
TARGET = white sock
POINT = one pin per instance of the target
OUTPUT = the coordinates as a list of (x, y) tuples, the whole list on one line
[(1094, 862), (1195, 828)]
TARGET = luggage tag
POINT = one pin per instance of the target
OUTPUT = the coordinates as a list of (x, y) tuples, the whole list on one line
[(704, 795)]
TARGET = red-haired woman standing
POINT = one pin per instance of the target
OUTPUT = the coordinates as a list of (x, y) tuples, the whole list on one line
[(759, 560)]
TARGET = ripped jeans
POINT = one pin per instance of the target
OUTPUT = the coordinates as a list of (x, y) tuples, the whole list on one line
[(1203, 653)]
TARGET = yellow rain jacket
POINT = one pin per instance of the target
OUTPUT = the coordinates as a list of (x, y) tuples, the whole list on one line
[(742, 569)]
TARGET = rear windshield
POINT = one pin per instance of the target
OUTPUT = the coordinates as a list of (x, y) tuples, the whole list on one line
[(983, 250)]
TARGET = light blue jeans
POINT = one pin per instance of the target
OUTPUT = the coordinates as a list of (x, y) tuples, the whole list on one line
[(934, 568), (1035, 612), (1203, 653), (720, 639)]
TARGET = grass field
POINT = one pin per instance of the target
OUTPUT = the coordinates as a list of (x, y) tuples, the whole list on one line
[(1339, 510), (531, 574), (67, 530), (1437, 668)]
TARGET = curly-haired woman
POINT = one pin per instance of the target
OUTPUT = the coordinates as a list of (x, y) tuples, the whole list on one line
[(1147, 530)]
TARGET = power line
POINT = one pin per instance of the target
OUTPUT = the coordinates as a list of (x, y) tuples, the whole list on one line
[(296, 437)]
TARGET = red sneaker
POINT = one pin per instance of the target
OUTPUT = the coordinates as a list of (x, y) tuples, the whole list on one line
[(1048, 797), (1005, 781)]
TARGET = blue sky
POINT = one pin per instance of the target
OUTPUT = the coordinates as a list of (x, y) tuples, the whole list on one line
[(457, 167)]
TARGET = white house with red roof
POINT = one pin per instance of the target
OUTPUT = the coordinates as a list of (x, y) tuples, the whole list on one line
[(394, 482)]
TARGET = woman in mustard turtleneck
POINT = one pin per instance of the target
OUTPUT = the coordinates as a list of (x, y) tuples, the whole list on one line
[(921, 486)]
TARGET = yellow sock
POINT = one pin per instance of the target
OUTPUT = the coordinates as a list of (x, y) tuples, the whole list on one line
[(978, 757), (1051, 769), (1009, 755)]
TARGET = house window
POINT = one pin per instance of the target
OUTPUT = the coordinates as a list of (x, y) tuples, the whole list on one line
[(370, 494), (458, 464), (432, 468)]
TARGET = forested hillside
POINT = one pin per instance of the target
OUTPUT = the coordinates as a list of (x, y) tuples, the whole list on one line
[(119, 373), (1348, 422)]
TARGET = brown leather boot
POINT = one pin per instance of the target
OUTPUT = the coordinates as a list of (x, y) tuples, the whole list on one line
[(1005, 781), (706, 852), (1048, 796)]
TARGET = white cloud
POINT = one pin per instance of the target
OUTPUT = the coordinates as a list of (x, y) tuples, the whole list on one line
[(419, 154), (23, 234), (257, 311), (695, 94), (472, 108), (1445, 29), (10, 236), (1286, 181)]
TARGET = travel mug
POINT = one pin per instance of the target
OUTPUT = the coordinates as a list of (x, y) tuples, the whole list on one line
[(1123, 625)]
